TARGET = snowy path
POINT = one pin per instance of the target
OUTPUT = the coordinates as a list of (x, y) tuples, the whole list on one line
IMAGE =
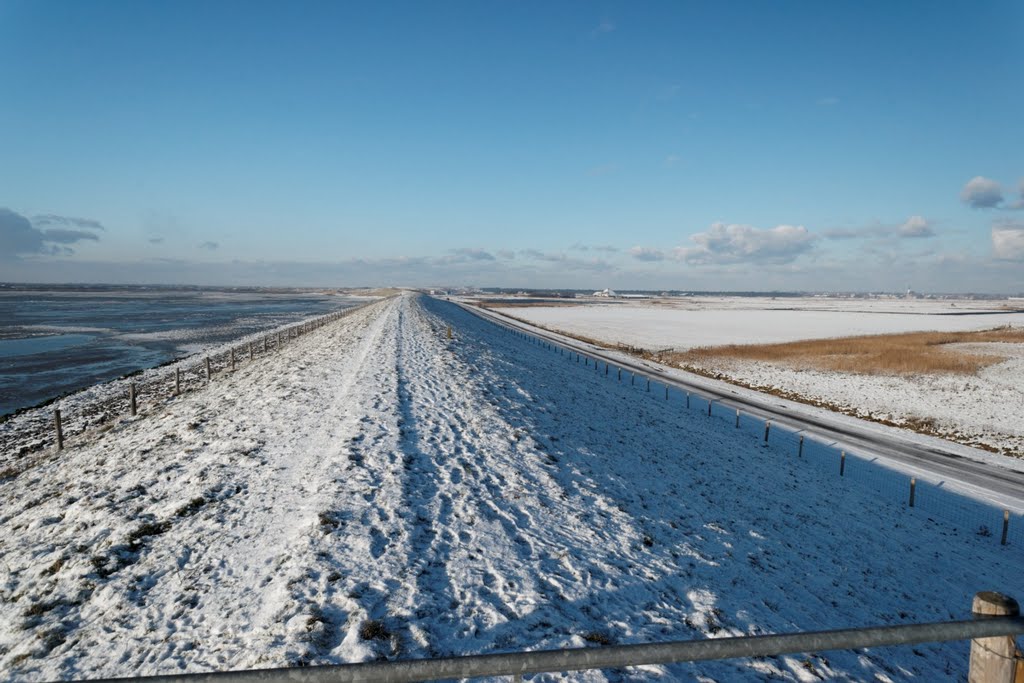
[(379, 490)]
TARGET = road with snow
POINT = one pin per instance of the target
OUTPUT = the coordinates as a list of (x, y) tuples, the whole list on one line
[(380, 490)]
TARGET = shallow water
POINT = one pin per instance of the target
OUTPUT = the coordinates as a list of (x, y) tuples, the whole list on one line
[(53, 342)]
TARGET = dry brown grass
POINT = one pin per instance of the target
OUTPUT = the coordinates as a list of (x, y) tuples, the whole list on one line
[(912, 353)]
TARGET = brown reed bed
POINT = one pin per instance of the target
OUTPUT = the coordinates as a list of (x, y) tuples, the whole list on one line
[(912, 353)]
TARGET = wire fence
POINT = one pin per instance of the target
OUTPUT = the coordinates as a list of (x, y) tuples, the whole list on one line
[(925, 494)]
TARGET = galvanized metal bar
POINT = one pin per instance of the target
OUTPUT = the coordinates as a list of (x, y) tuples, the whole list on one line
[(616, 656)]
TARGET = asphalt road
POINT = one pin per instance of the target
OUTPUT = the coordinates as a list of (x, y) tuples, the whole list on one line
[(942, 463)]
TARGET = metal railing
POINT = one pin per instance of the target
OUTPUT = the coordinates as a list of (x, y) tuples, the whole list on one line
[(988, 633)]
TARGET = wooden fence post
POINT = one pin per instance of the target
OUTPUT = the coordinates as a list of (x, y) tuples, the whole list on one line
[(131, 398), (800, 448), (620, 374), (59, 429), (913, 485), (842, 463), (767, 428), (250, 350), (1006, 526), (711, 402), (264, 344), (737, 418), (687, 399), (666, 392), (993, 660), (648, 384)]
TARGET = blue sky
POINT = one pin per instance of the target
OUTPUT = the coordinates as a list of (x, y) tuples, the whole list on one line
[(803, 145)]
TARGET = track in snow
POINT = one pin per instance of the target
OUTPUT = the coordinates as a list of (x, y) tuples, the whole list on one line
[(378, 490)]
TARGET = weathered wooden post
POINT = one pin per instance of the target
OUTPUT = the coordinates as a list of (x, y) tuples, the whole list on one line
[(648, 384), (800, 448), (687, 399), (620, 374), (606, 369), (264, 344), (250, 351), (209, 371), (131, 398), (767, 428), (449, 331), (632, 379), (842, 463), (666, 392), (177, 381), (913, 485), (1006, 526), (710, 402), (737, 418), (59, 429), (993, 660)]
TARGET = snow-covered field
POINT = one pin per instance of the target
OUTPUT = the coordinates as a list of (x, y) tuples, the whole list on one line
[(983, 409), (378, 490)]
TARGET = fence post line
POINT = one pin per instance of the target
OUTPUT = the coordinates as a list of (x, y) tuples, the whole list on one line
[(1006, 526), (767, 428), (58, 428), (913, 486), (842, 463), (993, 660), (209, 371), (131, 398), (177, 381)]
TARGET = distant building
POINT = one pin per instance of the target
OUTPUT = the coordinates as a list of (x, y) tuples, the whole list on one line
[(606, 292)]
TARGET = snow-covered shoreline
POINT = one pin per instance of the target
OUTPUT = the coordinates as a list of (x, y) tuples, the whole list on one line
[(382, 491), (30, 430)]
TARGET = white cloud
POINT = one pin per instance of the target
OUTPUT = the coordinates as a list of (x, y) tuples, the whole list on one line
[(646, 254), (732, 243), (982, 193), (1008, 241), (916, 226)]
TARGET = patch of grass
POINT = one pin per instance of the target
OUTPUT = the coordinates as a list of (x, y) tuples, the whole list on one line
[(191, 508), (54, 568), (373, 629), (147, 529), (912, 353), (328, 521)]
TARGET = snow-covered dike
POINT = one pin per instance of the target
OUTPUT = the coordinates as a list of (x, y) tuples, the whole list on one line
[(379, 490)]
